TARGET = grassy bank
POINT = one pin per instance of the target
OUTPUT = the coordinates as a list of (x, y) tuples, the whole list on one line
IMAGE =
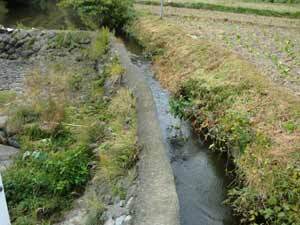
[(235, 7), (240, 111), (70, 131)]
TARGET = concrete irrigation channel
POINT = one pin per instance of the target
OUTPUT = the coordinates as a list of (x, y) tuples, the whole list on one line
[(181, 182)]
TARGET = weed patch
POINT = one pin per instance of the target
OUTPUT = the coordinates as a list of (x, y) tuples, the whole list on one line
[(60, 114)]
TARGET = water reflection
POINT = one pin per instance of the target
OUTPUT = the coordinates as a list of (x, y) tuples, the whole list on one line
[(3, 10), (50, 16)]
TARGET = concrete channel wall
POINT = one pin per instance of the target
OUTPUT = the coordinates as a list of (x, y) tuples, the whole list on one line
[(4, 216)]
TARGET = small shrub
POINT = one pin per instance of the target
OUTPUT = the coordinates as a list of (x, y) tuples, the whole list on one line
[(114, 14), (40, 176)]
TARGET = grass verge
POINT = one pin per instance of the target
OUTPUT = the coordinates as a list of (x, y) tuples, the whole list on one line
[(240, 111), (61, 114), (225, 8)]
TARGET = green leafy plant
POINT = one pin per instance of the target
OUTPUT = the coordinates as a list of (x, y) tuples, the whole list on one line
[(95, 13)]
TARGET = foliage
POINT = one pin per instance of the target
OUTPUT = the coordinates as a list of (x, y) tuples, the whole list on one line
[(210, 109), (278, 206), (51, 165), (94, 13), (39, 4), (99, 44), (119, 153), (3, 10), (66, 39), (61, 113)]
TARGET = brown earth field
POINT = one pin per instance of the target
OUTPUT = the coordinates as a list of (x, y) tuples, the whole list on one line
[(272, 44)]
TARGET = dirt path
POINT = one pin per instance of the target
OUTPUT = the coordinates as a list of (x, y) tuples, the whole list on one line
[(157, 201)]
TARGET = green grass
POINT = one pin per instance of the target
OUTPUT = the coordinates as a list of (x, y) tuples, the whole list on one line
[(100, 44), (292, 12)]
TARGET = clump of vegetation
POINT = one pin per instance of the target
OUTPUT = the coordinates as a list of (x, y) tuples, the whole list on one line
[(100, 44), (52, 165), (60, 114), (119, 153), (66, 39), (114, 14), (240, 112)]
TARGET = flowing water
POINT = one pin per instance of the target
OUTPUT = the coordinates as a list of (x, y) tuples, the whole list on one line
[(201, 181), (200, 177)]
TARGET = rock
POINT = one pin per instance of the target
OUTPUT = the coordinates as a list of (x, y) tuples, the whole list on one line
[(12, 56), (26, 53), (3, 122), (110, 221), (108, 199), (122, 203), (13, 41), (2, 45), (6, 154), (3, 56), (12, 141), (93, 146), (129, 204), (9, 30), (120, 220), (85, 41), (127, 220), (51, 34), (11, 50), (3, 139), (5, 39), (22, 35)]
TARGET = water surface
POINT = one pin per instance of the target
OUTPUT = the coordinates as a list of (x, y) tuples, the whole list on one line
[(201, 181)]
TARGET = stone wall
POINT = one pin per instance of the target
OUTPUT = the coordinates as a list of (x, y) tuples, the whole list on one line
[(16, 44), (22, 50)]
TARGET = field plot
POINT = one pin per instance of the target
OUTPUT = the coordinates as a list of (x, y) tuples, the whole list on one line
[(239, 6), (272, 44)]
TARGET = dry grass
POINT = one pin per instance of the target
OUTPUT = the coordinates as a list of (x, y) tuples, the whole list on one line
[(272, 44), (185, 57), (244, 4), (119, 152), (274, 111)]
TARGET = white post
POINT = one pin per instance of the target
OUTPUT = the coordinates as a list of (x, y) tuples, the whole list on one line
[(161, 9), (4, 216)]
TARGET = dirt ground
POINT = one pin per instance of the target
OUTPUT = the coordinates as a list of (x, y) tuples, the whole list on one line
[(272, 44)]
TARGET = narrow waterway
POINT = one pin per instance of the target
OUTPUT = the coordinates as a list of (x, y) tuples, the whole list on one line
[(201, 181)]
